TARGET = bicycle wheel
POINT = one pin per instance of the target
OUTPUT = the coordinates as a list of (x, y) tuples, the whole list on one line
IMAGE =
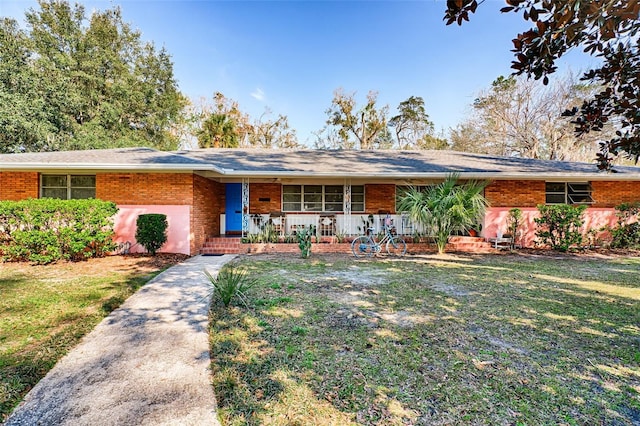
[(396, 246), (363, 246)]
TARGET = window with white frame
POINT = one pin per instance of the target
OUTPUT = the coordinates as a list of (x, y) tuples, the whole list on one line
[(568, 193), (68, 187), (320, 198)]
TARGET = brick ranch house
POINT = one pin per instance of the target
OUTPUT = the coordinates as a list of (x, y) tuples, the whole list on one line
[(231, 192)]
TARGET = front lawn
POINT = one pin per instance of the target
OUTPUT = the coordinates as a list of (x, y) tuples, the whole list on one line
[(45, 310), (428, 340)]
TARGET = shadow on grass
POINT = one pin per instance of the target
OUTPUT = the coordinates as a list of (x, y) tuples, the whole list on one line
[(23, 367), (485, 339)]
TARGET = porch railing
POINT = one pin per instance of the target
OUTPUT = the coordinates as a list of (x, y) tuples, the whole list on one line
[(326, 224)]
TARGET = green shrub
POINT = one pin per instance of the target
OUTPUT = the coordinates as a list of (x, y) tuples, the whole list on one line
[(514, 222), (46, 230), (151, 231), (627, 232), (559, 225), (231, 283)]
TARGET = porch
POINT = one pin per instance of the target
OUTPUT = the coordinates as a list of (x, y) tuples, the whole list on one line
[(285, 226)]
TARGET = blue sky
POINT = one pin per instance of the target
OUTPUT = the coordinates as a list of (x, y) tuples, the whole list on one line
[(291, 55)]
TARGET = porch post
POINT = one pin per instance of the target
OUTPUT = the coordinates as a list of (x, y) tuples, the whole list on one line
[(245, 207), (347, 206)]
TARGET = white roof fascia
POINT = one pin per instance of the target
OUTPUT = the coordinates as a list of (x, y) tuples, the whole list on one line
[(556, 176)]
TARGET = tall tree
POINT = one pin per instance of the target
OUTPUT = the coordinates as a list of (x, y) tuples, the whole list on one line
[(268, 133), (520, 117), (218, 131), (369, 127), (224, 125), (358, 128), (411, 125), (30, 118), (102, 86), (607, 29)]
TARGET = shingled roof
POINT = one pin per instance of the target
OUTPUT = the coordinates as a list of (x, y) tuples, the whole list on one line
[(313, 163)]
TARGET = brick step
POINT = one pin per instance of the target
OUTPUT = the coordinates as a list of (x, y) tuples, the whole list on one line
[(225, 250), (219, 244), (223, 240)]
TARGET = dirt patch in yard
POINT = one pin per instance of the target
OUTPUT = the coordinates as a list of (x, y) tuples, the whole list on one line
[(138, 263)]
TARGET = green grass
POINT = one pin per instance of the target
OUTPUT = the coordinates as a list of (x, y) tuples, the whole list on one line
[(45, 310), (527, 340)]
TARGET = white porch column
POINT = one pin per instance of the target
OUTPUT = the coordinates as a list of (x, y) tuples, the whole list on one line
[(347, 206), (245, 207)]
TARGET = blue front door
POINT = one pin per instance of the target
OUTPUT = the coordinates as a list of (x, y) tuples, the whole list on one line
[(233, 208)]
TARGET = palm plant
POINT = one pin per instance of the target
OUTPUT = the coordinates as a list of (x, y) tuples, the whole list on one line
[(446, 208), (218, 131)]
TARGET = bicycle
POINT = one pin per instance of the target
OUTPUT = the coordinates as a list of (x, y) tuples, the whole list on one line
[(366, 245)]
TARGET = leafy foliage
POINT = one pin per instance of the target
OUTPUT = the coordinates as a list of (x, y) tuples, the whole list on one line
[(151, 231), (224, 125), (446, 208), (231, 283), (369, 127), (46, 230), (627, 232), (218, 131), (608, 30), (514, 223), (357, 128), (78, 82), (559, 225)]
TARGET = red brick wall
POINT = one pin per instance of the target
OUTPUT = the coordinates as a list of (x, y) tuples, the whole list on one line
[(272, 191), (515, 193), (208, 203), (380, 197), (145, 188), (17, 186), (610, 194)]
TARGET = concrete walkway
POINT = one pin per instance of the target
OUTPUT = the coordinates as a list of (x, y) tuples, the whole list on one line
[(147, 363)]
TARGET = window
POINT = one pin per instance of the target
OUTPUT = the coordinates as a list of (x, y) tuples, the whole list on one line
[(568, 193), (320, 198), (68, 187), (357, 198)]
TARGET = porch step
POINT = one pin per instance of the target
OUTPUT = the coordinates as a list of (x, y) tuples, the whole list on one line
[(221, 245), (470, 244)]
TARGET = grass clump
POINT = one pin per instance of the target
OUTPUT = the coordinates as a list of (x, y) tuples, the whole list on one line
[(232, 282)]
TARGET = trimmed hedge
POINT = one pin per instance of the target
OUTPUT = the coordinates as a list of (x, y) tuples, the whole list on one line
[(151, 231), (46, 230)]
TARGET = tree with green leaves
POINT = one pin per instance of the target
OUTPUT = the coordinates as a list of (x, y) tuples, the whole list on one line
[(81, 82), (30, 116), (358, 128), (218, 131), (224, 125), (369, 127), (446, 208), (411, 125), (606, 29)]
